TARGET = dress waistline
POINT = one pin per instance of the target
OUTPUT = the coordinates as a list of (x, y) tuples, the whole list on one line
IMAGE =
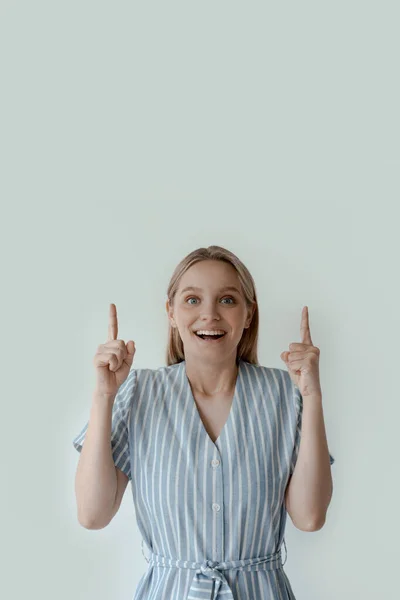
[(208, 579)]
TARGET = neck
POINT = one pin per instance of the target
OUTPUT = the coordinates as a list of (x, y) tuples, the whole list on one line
[(210, 379)]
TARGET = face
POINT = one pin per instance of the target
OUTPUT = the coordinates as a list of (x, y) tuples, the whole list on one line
[(209, 305)]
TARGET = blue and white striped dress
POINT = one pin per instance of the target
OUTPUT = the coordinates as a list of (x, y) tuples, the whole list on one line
[(211, 514)]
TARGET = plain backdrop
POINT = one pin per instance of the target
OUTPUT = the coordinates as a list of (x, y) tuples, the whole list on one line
[(133, 133)]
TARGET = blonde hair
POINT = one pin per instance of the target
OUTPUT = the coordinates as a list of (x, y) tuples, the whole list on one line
[(247, 347)]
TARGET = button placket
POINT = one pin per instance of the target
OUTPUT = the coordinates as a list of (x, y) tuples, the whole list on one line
[(217, 506)]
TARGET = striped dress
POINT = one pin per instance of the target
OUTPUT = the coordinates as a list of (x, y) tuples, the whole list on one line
[(212, 515)]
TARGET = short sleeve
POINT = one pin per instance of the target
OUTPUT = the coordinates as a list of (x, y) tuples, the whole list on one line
[(298, 400), (120, 430)]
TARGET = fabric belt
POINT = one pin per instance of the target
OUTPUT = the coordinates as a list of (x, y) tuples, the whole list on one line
[(209, 583)]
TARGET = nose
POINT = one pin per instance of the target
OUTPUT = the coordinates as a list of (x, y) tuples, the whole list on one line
[(209, 313)]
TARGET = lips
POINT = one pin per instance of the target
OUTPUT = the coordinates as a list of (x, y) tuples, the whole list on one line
[(210, 340), (208, 329)]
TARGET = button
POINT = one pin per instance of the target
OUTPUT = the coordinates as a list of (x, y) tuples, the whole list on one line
[(215, 462), (216, 506)]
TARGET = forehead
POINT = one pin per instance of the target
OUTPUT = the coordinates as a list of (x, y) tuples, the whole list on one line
[(210, 275)]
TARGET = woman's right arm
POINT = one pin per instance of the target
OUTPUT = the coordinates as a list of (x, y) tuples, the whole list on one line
[(96, 476), (98, 486)]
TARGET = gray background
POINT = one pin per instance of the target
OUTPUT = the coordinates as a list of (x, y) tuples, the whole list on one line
[(135, 132)]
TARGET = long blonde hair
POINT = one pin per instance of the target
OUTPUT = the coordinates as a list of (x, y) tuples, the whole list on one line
[(247, 347)]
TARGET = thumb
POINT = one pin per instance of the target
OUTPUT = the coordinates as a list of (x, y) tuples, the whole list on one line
[(284, 357), (130, 346)]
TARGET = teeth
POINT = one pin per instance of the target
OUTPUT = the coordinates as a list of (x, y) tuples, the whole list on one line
[(206, 332)]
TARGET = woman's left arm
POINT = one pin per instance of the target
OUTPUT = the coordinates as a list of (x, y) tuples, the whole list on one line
[(309, 490), (310, 487)]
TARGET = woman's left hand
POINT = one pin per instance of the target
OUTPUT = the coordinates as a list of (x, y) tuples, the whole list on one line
[(303, 361)]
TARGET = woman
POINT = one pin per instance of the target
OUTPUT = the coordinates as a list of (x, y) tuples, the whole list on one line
[(211, 442)]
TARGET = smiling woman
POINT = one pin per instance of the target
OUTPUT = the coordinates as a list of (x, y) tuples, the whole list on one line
[(210, 442)]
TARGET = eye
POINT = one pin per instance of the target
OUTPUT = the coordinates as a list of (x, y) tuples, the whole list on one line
[(226, 298)]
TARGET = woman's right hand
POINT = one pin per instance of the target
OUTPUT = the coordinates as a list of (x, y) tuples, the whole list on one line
[(113, 359)]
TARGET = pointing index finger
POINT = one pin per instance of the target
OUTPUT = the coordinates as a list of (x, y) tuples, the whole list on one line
[(305, 333), (112, 323)]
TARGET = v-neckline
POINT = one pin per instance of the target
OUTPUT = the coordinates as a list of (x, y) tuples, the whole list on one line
[(195, 408)]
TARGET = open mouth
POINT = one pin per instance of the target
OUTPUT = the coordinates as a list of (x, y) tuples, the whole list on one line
[(210, 338)]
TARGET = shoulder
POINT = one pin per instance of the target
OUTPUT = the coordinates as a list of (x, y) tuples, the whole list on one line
[(144, 377), (277, 382), (271, 375)]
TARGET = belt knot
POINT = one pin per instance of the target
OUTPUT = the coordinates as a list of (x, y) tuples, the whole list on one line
[(208, 580), (209, 569)]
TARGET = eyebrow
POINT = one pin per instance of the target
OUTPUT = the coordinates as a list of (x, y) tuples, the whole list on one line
[(228, 287)]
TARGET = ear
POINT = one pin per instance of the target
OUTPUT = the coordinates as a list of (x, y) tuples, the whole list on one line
[(250, 314), (169, 312)]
